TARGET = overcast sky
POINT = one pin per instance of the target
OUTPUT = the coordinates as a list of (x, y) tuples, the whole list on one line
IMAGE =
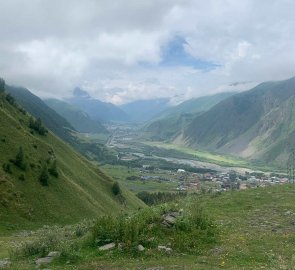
[(122, 50)]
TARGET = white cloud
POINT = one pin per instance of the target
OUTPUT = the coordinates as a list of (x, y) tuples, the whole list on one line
[(114, 48)]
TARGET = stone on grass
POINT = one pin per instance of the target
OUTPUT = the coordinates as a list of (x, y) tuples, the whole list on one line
[(107, 246), (54, 254), (165, 249), (140, 248)]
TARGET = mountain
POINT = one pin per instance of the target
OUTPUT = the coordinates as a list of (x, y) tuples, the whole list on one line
[(76, 117), (144, 110), (257, 124), (195, 105), (58, 125), (96, 109), (171, 122), (35, 106), (30, 190)]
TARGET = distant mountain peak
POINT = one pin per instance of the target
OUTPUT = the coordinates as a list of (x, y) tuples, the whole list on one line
[(78, 92)]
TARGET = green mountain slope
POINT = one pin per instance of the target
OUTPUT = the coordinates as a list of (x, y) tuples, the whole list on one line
[(195, 105), (258, 124), (76, 117), (36, 107), (173, 121), (80, 191), (58, 125)]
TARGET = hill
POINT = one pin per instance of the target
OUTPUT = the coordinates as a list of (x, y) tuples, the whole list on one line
[(96, 109), (44, 181), (58, 125), (257, 124), (36, 107), (195, 105), (76, 117), (173, 121), (144, 110)]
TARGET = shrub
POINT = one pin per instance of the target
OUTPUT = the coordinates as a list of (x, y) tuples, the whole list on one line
[(10, 99), (116, 189), (192, 232), (37, 126), (22, 177)]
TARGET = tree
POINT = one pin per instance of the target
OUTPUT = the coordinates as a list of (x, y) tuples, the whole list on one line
[(2, 85), (116, 189), (44, 177)]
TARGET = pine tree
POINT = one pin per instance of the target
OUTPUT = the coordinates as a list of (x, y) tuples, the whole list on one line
[(116, 189)]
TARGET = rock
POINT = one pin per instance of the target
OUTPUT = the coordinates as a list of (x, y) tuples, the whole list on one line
[(165, 249), (169, 219), (45, 260), (140, 248), (54, 254), (5, 263), (107, 246)]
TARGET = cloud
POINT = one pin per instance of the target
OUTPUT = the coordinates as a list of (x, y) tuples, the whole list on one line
[(124, 50)]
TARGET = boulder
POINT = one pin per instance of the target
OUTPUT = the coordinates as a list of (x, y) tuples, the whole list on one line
[(45, 260), (107, 246), (54, 254), (140, 248)]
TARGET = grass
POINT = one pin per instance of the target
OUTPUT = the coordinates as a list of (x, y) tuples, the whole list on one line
[(120, 173), (205, 156), (80, 191), (255, 227)]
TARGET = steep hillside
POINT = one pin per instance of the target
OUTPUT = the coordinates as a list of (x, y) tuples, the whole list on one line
[(173, 121), (96, 109), (168, 128), (195, 105), (144, 110), (58, 125), (31, 192), (76, 117), (36, 107), (258, 124)]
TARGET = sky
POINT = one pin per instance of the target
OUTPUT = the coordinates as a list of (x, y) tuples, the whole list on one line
[(124, 50)]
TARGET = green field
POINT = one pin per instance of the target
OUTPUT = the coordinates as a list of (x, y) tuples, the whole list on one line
[(120, 173), (205, 156)]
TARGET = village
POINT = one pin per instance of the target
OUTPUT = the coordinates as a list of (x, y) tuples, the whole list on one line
[(213, 181)]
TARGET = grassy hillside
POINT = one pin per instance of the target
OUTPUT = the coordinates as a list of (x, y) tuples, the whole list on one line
[(255, 231), (36, 107), (195, 105), (77, 118), (174, 120), (80, 191), (256, 124)]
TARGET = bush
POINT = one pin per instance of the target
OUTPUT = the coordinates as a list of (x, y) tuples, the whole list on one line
[(10, 99), (116, 189), (37, 126), (193, 231), (53, 169), (22, 177)]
